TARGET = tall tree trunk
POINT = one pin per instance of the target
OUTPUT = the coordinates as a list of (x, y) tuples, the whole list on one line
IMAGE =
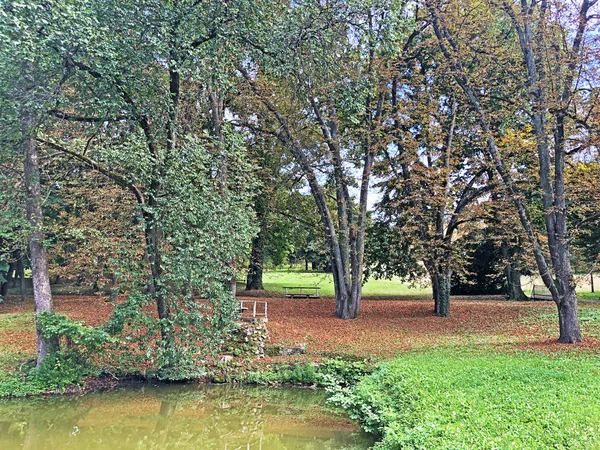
[(42, 294), (254, 280), (444, 285), (21, 274), (343, 243), (152, 235), (557, 274)]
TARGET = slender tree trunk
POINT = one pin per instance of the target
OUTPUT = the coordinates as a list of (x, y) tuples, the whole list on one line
[(436, 292), (152, 235), (592, 280), (433, 276), (254, 280), (341, 244), (42, 294), (21, 274)]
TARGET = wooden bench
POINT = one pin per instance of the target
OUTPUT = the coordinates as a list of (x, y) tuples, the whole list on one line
[(540, 292), (302, 291)]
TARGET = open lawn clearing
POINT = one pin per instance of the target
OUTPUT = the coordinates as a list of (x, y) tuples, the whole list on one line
[(276, 280)]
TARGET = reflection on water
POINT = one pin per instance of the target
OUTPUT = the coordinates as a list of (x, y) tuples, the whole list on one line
[(179, 417)]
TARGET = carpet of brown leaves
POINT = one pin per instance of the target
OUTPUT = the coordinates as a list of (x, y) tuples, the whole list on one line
[(384, 328)]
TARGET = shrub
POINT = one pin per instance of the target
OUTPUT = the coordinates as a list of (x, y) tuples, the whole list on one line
[(69, 364)]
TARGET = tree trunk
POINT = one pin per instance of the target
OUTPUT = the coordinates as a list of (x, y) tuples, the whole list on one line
[(8, 280), (433, 276), (153, 237), (254, 280), (568, 319), (443, 301), (42, 294), (344, 307), (514, 291), (21, 274)]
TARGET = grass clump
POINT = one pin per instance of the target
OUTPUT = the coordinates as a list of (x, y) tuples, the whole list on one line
[(453, 401)]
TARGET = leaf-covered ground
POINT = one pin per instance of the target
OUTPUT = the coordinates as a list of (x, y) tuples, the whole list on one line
[(384, 328)]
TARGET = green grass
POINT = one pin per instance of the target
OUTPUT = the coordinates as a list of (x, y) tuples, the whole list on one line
[(458, 400), (588, 295), (12, 369), (276, 280)]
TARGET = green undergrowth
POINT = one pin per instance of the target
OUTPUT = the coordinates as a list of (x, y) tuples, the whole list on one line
[(330, 372), (66, 367), (458, 400)]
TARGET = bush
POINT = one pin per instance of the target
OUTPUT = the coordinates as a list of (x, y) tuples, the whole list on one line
[(78, 343), (442, 401)]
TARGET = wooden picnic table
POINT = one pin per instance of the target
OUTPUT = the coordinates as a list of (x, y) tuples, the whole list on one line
[(302, 291)]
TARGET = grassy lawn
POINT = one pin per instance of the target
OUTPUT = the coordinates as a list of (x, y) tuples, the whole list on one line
[(584, 287), (276, 280), (459, 400)]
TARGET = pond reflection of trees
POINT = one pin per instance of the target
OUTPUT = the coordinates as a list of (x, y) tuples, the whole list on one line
[(178, 417)]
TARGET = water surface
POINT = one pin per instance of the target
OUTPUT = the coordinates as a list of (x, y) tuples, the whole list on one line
[(179, 417)]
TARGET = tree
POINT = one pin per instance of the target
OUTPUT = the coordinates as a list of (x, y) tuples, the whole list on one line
[(433, 178), (32, 72), (541, 34), (326, 95), (144, 106)]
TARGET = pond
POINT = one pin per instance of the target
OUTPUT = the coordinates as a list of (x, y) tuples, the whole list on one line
[(179, 417)]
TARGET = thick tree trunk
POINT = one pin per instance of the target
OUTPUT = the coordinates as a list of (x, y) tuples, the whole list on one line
[(568, 319), (514, 291), (42, 294), (443, 301)]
